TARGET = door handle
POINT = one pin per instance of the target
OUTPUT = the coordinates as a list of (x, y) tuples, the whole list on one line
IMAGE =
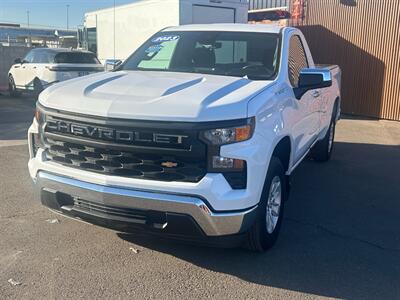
[(34, 67), (316, 94)]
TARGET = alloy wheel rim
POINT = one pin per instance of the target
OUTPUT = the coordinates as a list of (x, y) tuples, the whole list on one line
[(273, 204)]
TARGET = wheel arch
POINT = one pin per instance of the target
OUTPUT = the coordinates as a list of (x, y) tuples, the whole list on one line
[(37, 79), (283, 150)]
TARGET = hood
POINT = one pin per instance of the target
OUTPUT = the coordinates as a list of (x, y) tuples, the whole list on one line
[(148, 95)]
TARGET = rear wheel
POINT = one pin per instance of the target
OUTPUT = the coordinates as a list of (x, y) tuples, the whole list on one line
[(264, 232), (322, 150), (12, 88)]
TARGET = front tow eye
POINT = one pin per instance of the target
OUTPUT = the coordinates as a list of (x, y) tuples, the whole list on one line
[(157, 219)]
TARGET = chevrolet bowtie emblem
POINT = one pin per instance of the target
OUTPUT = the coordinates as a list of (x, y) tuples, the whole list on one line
[(169, 164)]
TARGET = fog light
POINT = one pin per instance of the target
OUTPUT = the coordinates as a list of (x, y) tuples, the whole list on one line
[(220, 162), (36, 143), (37, 140)]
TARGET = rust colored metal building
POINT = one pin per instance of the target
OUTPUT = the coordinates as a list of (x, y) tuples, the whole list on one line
[(363, 37)]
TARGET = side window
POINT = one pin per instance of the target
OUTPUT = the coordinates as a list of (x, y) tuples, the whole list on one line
[(231, 52), (41, 58), (297, 59), (36, 57), (29, 57)]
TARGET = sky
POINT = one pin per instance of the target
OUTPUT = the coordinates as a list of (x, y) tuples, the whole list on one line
[(51, 13)]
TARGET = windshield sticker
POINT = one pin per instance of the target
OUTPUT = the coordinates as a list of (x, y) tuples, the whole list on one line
[(154, 48), (165, 38)]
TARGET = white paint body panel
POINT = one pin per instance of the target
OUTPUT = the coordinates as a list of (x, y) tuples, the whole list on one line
[(196, 98), (162, 96)]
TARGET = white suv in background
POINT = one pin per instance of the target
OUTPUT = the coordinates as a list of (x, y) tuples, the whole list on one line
[(42, 67)]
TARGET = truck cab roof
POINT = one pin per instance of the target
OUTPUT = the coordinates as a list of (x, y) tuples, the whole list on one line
[(60, 50)]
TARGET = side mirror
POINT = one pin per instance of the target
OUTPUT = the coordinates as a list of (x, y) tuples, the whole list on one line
[(112, 64), (311, 79), (18, 61)]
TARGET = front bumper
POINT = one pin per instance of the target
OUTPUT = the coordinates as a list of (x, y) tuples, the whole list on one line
[(124, 209), (213, 186)]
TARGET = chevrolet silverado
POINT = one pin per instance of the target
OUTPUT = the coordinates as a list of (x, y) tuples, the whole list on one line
[(193, 137)]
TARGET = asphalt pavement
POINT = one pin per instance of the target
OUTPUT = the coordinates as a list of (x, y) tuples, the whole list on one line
[(340, 237)]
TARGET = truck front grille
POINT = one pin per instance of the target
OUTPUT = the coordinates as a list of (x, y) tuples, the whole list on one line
[(133, 164)]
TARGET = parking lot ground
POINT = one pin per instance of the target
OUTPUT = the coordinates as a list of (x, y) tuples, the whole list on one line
[(340, 237)]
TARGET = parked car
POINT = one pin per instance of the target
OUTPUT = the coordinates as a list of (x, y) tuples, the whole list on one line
[(194, 136), (43, 67)]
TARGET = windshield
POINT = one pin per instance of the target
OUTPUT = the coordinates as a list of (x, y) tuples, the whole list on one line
[(242, 54), (75, 58)]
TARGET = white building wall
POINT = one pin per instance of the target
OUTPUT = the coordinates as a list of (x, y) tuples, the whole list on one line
[(136, 22)]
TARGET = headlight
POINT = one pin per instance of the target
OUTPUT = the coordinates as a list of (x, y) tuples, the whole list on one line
[(36, 138), (39, 116), (229, 135), (234, 170)]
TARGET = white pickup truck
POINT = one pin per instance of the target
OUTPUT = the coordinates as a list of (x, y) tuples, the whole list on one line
[(193, 137)]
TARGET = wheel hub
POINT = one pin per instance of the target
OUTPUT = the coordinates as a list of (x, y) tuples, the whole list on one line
[(273, 204)]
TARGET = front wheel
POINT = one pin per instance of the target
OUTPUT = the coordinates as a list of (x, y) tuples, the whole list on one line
[(12, 88), (264, 232)]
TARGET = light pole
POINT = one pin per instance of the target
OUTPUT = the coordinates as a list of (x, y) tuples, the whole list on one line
[(67, 16), (29, 28), (114, 30)]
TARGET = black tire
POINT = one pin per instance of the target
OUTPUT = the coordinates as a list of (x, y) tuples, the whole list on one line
[(259, 237), (37, 87), (322, 150), (12, 89)]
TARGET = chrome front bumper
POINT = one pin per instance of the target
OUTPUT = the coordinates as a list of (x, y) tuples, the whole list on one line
[(122, 199)]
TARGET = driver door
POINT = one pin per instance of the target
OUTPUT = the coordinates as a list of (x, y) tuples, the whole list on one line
[(18, 75), (20, 71), (29, 70), (307, 123)]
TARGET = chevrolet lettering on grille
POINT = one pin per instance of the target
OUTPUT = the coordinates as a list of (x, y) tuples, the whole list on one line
[(123, 136)]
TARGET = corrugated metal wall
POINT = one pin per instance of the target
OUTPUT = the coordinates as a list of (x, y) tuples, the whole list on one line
[(260, 4), (363, 37)]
